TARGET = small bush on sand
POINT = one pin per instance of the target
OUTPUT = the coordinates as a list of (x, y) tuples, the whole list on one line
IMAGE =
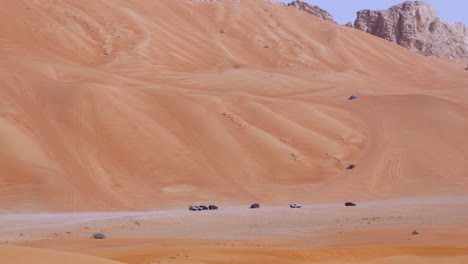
[(415, 232), (99, 235)]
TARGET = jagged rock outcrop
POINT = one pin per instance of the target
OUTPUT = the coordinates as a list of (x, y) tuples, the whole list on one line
[(349, 24), (313, 10), (417, 26)]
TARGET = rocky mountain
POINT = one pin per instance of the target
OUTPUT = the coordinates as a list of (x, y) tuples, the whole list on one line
[(416, 26), (313, 10)]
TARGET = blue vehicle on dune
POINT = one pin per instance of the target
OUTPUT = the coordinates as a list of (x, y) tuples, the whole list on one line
[(352, 97)]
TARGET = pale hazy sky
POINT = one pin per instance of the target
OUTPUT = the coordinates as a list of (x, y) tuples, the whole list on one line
[(345, 10)]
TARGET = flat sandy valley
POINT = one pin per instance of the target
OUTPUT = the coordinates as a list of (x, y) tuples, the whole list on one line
[(115, 116), (372, 232)]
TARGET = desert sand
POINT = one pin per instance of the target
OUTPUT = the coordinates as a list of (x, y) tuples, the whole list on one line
[(117, 115)]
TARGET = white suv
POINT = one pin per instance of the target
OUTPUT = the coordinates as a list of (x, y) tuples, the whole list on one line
[(194, 208)]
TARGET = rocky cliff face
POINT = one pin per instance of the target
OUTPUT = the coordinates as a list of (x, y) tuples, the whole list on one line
[(313, 10), (417, 26)]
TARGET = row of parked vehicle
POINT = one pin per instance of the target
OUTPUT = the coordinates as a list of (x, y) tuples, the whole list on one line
[(253, 206), (294, 205), (203, 207)]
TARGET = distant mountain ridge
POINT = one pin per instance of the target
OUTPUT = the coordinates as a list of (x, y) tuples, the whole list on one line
[(416, 26), (413, 25)]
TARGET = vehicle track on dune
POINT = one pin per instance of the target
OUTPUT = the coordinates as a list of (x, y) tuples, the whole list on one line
[(396, 171), (371, 161)]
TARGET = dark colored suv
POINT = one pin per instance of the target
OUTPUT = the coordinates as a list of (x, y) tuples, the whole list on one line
[(255, 205), (203, 207), (349, 204), (212, 207)]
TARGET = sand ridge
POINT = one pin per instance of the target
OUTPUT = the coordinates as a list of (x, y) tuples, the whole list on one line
[(125, 112), (120, 105)]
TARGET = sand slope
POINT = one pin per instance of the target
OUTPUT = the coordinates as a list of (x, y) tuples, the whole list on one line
[(367, 255), (371, 255), (142, 104), (23, 255)]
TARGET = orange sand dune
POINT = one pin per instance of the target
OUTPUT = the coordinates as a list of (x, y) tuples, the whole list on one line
[(137, 105), (23, 255), (367, 255), (194, 254)]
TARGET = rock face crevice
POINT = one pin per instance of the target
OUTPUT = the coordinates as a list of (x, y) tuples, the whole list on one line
[(313, 10), (416, 26)]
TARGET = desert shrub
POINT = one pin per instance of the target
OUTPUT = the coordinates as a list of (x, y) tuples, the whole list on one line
[(221, 31), (99, 235), (415, 232)]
